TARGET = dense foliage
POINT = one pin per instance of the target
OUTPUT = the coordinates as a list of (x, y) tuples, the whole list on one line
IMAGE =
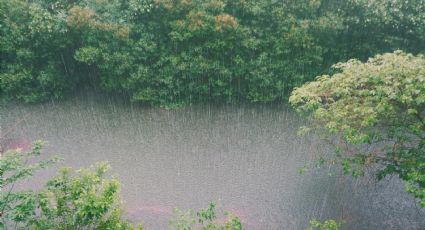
[(81, 200), (374, 112), (175, 52), (17, 206)]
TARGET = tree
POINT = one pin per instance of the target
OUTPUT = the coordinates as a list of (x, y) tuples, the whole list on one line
[(84, 199), (18, 206), (81, 200), (34, 64), (374, 113), (173, 53)]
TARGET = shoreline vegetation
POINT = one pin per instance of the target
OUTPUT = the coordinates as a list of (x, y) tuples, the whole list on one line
[(355, 68), (175, 53)]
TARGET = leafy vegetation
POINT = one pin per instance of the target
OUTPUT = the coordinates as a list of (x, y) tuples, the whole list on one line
[(84, 199), (325, 225), (18, 206), (81, 200), (374, 113), (172, 53), (203, 220)]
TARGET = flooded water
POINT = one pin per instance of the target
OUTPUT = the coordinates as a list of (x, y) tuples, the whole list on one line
[(245, 158)]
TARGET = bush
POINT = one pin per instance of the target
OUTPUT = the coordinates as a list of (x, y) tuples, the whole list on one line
[(325, 225), (204, 220)]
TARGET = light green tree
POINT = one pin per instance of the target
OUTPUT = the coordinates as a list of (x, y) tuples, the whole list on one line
[(84, 199), (374, 113), (18, 206)]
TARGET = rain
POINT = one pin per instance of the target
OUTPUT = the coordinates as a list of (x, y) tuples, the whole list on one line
[(246, 158)]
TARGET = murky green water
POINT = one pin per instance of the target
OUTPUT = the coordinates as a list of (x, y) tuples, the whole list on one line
[(245, 158)]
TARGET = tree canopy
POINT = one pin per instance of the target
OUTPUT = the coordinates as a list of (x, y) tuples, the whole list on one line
[(374, 112), (172, 53), (85, 199)]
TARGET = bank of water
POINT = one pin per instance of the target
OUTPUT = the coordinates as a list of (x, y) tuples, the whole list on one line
[(246, 158)]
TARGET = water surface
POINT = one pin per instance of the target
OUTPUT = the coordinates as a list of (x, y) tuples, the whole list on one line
[(245, 158)]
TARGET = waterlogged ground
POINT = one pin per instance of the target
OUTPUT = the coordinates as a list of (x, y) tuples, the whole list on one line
[(245, 158)]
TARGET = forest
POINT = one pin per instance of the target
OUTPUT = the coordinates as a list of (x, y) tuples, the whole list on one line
[(354, 70), (173, 53)]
